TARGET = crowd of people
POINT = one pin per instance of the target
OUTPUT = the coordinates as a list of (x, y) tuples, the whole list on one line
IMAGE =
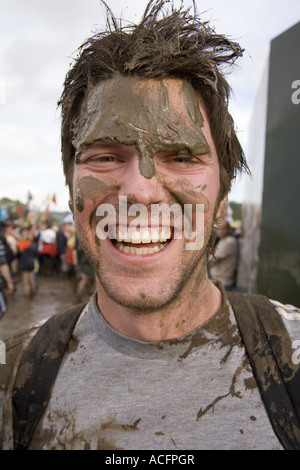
[(46, 249)]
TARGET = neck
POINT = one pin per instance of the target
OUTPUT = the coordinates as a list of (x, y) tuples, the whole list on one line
[(190, 310)]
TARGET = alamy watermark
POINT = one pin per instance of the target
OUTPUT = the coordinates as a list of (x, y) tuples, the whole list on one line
[(296, 354), (296, 94), (135, 224)]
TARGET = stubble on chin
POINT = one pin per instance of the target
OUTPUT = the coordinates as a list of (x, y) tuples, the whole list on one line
[(160, 294)]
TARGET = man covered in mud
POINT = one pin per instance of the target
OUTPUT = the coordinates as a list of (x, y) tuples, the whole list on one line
[(156, 358)]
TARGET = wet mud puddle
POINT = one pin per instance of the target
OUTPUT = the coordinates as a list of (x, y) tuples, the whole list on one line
[(54, 295)]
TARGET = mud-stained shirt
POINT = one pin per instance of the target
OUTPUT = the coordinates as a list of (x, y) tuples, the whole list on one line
[(194, 392)]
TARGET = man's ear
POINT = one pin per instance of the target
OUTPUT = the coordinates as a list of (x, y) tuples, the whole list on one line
[(222, 209), (70, 203)]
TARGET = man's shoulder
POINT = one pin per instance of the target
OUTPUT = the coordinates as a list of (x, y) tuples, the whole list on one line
[(273, 315), (15, 340), (15, 345), (289, 312), (290, 316)]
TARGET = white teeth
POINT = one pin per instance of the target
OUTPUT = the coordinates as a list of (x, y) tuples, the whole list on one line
[(139, 251), (154, 236), (144, 236), (136, 237), (121, 235), (165, 234)]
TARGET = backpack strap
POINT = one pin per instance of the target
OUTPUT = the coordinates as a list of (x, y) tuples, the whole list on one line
[(269, 348), (37, 372)]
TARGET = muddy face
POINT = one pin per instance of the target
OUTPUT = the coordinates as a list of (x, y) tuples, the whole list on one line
[(127, 125), (154, 115)]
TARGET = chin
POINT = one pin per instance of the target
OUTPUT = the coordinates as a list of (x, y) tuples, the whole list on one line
[(143, 299)]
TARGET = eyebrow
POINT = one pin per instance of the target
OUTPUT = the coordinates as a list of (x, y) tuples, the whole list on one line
[(102, 143), (98, 143)]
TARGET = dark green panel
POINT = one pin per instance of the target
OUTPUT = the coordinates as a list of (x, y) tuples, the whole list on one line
[(279, 257)]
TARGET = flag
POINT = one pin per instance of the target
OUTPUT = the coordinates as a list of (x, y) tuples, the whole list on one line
[(29, 197), (54, 199), (3, 213), (20, 210)]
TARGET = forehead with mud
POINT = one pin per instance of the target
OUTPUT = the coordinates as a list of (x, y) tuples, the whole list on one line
[(153, 115)]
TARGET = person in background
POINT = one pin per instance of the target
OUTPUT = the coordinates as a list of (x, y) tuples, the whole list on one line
[(6, 281), (63, 235), (71, 253), (12, 238), (47, 246), (223, 263), (27, 256), (85, 275)]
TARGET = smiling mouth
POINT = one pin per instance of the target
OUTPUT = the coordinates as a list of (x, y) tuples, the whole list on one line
[(143, 242)]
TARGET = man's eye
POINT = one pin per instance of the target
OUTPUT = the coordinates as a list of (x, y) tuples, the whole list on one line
[(184, 158), (102, 158), (99, 160)]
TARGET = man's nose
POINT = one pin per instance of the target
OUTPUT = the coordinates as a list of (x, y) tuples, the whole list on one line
[(141, 190)]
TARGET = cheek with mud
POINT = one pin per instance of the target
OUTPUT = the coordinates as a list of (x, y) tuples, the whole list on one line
[(92, 188), (183, 192)]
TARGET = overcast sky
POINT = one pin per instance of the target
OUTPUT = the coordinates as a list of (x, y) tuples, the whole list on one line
[(38, 39)]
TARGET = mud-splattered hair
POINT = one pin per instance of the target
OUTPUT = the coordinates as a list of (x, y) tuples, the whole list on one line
[(168, 42)]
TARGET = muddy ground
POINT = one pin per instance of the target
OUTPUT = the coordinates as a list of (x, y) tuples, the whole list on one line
[(55, 294)]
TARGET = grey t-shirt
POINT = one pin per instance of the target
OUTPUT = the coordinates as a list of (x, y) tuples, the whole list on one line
[(194, 392)]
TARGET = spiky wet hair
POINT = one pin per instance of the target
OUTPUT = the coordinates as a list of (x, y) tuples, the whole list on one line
[(168, 42)]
